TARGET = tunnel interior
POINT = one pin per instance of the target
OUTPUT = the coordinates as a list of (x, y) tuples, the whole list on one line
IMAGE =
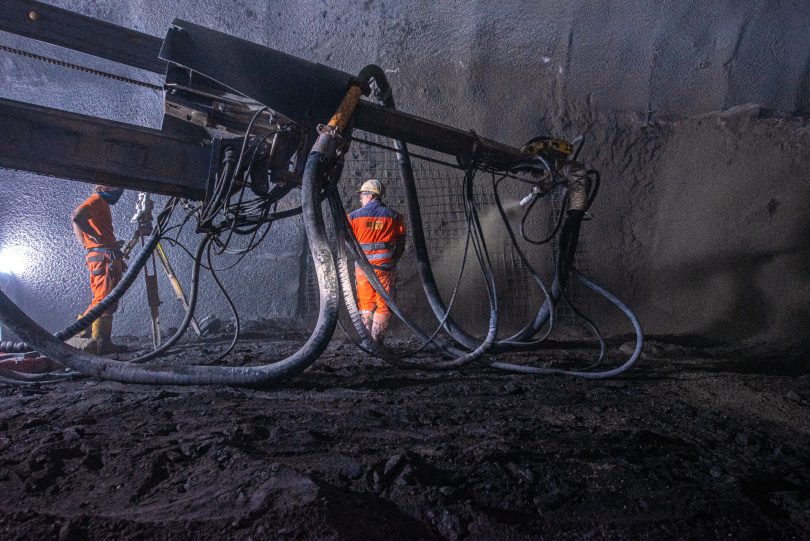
[(695, 119)]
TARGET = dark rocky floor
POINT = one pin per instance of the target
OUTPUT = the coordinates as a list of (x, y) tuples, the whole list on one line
[(690, 444)]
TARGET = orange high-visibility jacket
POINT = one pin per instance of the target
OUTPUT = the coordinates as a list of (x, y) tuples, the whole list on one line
[(378, 228), (101, 219), (104, 259)]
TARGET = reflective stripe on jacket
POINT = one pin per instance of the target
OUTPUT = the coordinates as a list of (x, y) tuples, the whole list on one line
[(377, 227)]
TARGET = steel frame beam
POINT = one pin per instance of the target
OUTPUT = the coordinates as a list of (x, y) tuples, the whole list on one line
[(425, 133), (308, 93), (88, 149), (49, 142), (81, 33)]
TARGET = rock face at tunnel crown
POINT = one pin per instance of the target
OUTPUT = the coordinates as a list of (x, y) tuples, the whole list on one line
[(694, 114)]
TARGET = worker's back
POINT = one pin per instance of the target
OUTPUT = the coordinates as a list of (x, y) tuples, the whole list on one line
[(100, 218), (374, 224)]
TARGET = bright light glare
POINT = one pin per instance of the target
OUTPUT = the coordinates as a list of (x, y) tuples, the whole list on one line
[(14, 260)]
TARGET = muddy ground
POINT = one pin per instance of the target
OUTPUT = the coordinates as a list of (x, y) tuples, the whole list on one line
[(690, 444)]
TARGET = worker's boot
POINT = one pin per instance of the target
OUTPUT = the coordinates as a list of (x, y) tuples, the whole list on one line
[(378, 328), (367, 318), (102, 334)]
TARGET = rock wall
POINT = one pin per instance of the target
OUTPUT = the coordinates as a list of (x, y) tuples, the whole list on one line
[(694, 114)]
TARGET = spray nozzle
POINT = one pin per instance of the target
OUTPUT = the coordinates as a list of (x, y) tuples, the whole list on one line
[(528, 199)]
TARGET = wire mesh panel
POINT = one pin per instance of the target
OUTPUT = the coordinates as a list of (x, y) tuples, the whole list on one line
[(441, 201)]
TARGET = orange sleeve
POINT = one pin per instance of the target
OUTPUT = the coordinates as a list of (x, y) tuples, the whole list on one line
[(100, 219)]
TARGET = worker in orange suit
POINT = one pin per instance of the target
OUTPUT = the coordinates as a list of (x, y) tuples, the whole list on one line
[(381, 233), (92, 223)]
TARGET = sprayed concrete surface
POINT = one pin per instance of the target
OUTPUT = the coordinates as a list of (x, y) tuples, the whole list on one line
[(696, 117), (689, 113)]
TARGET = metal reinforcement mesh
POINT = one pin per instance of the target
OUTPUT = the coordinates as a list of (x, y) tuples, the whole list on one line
[(444, 222)]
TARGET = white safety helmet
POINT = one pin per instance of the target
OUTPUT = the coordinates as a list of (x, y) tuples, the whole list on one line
[(373, 186)]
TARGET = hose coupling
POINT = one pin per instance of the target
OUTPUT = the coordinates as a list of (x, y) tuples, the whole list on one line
[(579, 185), (325, 144)]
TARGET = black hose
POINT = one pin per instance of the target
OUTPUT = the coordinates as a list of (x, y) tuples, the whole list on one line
[(519, 339), (588, 375), (19, 323), (450, 304), (339, 221), (595, 183), (569, 301), (232, 306), (345, 279), (20, 378), (114, 296), (551, 235), (192, 305), (567, 247), (385, 98)]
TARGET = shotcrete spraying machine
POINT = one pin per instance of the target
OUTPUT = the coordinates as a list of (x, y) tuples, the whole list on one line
[(244, 126)]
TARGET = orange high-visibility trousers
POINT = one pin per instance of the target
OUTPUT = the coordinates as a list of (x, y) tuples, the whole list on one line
[(104, 276), (367, 298)]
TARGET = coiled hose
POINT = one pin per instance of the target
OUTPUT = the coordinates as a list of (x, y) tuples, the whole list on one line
[(569, 234), (114, 296), (258, 376), (588, 375)]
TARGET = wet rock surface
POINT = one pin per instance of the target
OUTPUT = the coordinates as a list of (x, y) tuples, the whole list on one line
[(691, 444)]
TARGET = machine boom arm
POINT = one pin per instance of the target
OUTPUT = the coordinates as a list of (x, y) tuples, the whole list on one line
[(51, 142), (81, 33), (79, 147)]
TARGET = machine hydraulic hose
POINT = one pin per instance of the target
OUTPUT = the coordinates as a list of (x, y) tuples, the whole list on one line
[(258, 376), (581, 373), (229, 209)]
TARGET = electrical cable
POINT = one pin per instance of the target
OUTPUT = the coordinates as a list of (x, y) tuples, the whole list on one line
[(553, 233), (520, 338), (230, 303), (588, 375), (449, 305), (192, 305), (256, 376), (118, 291), (567, 299), (12, 377)]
